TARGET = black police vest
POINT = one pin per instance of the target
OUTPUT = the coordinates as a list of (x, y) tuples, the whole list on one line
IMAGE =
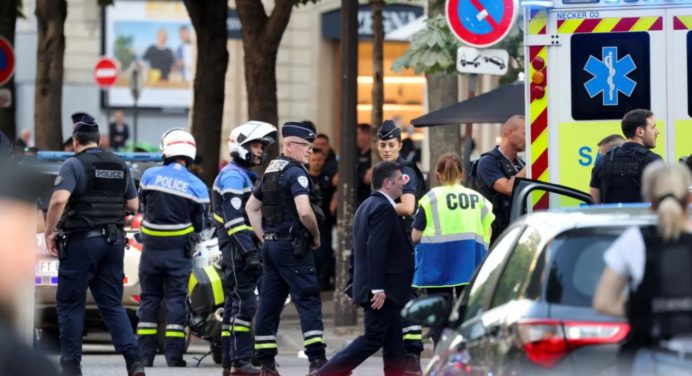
[(278, 206), (502, 204), (661, 307), (103, 201), (420, 192), (621, 175)]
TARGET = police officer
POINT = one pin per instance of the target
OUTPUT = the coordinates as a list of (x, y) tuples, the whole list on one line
[(175, 206), (389, 147), (281, 213), (91, 194), (618, 175), (241, 262)]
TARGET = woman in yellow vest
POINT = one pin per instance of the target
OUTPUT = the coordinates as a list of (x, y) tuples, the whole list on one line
[(451, 230)]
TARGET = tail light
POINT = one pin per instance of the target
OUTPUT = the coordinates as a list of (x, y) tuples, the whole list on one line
[(546, 342)]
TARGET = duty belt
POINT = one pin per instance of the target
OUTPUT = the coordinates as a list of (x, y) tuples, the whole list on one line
[(276, 236), (80, 235)]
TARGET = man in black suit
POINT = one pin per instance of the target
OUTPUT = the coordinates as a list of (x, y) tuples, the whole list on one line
[(382, 269)]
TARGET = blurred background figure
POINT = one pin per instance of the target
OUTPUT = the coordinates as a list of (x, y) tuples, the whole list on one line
[(655, 262), (24, 140), (330, 162), (608, 143), (160, 57), (119, 131), (183, 54), (324, 256), (18, 254), (364, 143), (5, 146)]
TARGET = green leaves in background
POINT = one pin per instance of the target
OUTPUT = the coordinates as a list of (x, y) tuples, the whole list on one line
[(433, 49)]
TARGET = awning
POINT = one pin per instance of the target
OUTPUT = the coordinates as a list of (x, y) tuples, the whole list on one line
[(495, 106)]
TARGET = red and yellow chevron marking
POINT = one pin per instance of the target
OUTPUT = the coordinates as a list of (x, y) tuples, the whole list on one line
[(682, 22), (538, 20), (607, 25), (538, 116)]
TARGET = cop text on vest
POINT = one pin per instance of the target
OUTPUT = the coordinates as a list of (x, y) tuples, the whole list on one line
[(461, 201), (109, 174), (168, 182)]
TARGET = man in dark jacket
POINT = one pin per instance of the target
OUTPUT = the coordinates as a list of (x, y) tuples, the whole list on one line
[(382, 268)]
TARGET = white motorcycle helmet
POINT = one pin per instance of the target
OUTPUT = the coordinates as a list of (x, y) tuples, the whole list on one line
[(178, 143), (243, 135)]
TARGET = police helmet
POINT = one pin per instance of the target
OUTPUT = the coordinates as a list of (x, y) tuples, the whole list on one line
[(178, 143), (243, 135)]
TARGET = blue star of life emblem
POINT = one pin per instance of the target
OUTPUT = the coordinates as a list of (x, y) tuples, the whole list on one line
[(610, 76)]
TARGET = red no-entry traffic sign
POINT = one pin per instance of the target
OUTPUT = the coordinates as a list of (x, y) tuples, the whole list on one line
[(6, 61), (105, 72), (481, 23)]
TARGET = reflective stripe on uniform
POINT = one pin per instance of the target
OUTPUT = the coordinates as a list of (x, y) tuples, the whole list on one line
[(175, 327), (239, 228), (265, 338), (265, 342), (181, 232), (310, 341), (146, 328), (175, 334), (155, 226), (452, 238), (313, 333), (143, 324), (225, 333), (412, 328), (241, 322), (413, 337), (260, 346), (146, 332), (230, 223)]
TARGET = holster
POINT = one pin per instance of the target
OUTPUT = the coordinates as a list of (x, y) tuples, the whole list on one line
[(112, 233), (300, 239), (61, 240)]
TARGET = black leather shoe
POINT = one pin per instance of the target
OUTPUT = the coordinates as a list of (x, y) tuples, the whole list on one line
[(136, 369), (269, 370), (316, 365), (412, 365), (148, 363), (179, 363), (244, 368)]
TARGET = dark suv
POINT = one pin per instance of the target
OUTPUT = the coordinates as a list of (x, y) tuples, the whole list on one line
[(527, 310)]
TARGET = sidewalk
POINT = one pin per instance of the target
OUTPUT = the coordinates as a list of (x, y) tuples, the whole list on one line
[(290, 335)]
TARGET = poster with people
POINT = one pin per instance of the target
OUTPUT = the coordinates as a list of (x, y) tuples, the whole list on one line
[(155, 37)]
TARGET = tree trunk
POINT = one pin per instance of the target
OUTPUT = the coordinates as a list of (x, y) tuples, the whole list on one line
[(442, 92), (261, 39), (8, 22), (50, 17), (344, 313), (209, 20), (377, 62)]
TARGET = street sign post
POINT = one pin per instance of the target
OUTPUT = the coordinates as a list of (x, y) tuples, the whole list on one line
[(6, 61), (481, 23), (105, 72), (482, 61)]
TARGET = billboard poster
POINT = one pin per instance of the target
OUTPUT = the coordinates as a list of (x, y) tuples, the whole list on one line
[(157, 37)]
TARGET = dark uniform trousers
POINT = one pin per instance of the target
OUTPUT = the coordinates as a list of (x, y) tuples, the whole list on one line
[(382, 330), (286, 273), (239, 308), (158, 268), (95, 264), (412, 334)]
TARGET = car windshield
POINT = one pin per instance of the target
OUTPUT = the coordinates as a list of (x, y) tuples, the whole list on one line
[(577, 264)]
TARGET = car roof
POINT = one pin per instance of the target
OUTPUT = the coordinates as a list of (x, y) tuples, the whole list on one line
[(553, 222)]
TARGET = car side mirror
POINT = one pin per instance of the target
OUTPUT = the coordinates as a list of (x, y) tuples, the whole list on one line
[(427, 311)]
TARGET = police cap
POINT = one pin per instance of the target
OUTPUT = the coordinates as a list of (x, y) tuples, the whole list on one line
[(77, 116), (86, 124), (388, 130), (299, 129)]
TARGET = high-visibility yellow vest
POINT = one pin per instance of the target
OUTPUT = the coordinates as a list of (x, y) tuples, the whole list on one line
[(456, 236)]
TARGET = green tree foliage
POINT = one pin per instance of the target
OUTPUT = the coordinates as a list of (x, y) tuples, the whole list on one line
[(433, 49)]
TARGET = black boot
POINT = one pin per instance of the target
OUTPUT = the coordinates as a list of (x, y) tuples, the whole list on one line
[(244, 368), (315, 365), (136, 369), (269, 370), (412, 365)]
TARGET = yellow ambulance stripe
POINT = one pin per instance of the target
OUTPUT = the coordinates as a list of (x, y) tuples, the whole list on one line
[(686, 20), (606, 25), (569, 26), (643, 23), (537, 23)]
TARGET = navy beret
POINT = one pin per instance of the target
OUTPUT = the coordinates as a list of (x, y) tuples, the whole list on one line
[(298, 129), (86, 124), (388, 131), (77, 116)]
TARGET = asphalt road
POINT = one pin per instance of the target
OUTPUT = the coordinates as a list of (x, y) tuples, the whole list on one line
[(100, 360)]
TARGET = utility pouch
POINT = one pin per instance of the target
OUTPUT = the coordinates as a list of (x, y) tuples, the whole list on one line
[(300, 240), (111, 234), (61, 240)]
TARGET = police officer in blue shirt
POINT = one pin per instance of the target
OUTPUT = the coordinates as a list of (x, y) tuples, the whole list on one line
[(280, 212), (241, 262), (175, 206), (389, 147), (91, 194)]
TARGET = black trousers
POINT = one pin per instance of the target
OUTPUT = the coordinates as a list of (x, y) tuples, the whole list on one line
[(382, 330)]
